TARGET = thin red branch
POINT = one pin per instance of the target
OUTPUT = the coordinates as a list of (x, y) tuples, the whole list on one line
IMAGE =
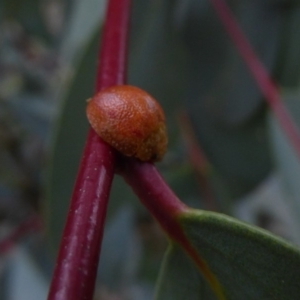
[(259, 72), (152, 190), (164, 205), (198, 160), (76, 269)]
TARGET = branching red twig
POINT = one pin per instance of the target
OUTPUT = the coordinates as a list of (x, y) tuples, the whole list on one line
[(76, 268), (164, 205), (75, 272), (259, 72)]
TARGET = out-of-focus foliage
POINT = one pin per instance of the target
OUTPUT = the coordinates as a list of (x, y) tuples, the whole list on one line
[(28, 64)]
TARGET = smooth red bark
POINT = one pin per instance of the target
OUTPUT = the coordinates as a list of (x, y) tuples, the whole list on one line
[(164, 205), (76, 269), (153, 191)]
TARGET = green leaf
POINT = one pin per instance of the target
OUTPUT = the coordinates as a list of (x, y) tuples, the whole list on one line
[(237, 92), (248, 262), (217, 70), (157, 60), (224, 102), (85, 19)]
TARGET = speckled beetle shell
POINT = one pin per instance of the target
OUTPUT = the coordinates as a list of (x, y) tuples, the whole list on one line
[(130, 120)]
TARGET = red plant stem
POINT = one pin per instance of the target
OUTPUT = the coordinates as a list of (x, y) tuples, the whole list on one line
[(164, 205), (76, 269), (259, 72), (152, 190)]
